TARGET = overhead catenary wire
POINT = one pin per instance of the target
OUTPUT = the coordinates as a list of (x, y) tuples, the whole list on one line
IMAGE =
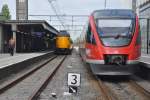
[(55, 11), (71, 22)]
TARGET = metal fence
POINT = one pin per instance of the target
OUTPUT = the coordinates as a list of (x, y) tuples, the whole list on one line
[(145, 35)]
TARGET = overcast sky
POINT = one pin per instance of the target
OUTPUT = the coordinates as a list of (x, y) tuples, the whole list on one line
[(67, 6), (75, 7)]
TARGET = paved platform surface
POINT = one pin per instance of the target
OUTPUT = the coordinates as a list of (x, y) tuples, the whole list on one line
[(145, 58), (88, 89), (7, 60)]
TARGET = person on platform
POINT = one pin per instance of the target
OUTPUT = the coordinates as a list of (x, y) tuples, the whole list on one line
[(11, 46)]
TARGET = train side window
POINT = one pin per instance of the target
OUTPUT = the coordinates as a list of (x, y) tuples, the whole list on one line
[(138, 41), (88, 34), (93, 39)]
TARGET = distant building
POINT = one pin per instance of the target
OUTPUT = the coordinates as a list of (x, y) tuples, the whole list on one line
[(144, 8), (22, 9), (144, 13)]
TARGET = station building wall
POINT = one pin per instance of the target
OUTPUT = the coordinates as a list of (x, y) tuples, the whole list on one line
[(145, 26)]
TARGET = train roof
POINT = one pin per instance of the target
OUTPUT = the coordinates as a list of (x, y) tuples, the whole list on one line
[(63, 33), (110, 13), (67, 35)]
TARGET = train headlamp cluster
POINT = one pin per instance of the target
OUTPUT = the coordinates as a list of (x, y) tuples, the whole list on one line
[(115, 59)]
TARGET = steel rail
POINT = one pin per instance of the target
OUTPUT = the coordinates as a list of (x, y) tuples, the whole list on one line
[(140, 89), (38, 91), (22, 77), (106, 91)]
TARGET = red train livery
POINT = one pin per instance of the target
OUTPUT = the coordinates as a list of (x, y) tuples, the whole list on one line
[(111, 42)]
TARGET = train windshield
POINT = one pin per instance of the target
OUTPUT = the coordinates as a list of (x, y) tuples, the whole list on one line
[(115, 32)]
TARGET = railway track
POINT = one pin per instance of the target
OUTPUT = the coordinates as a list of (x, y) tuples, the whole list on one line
[(123, 89), (143, 92), (37, 92), (20, 78), (107, 93), (32, 82), (126, 90)]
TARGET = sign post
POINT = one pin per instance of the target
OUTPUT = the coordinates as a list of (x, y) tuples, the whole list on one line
[(74, 80)]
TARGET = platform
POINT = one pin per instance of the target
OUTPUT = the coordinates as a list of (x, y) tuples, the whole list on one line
[(145, 59), (7, 60)]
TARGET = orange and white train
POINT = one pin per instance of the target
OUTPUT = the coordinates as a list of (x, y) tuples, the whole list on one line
[(111, 42)]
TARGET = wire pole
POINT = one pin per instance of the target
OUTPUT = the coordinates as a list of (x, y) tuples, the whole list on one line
[(72, 22), (134, 5), (105, 3), (148, 36)]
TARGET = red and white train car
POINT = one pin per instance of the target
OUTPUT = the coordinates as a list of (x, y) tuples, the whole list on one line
[(111, 42)]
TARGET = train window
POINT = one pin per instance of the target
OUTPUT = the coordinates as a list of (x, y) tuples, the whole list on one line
[(88, 34), (138, 41), (93, 39), (90, 37)]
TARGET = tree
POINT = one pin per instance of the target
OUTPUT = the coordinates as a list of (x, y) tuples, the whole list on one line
[(5, 12)]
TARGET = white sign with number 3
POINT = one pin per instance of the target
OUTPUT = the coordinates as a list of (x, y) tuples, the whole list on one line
[(73, 79)]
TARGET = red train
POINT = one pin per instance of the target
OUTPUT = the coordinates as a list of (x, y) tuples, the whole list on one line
[(111, 42)]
